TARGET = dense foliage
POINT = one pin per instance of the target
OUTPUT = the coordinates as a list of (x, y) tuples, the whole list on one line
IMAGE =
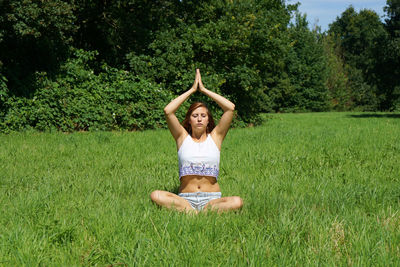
[(371, 52), (71, 65), (79, 99)]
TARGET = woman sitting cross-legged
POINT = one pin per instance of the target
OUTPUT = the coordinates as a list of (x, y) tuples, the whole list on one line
[(198, 143)]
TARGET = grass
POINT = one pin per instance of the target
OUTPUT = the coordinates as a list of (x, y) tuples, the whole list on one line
[(319, 189)]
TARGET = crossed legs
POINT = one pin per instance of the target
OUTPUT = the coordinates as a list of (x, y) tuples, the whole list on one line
[(172, 201), (224, 204)]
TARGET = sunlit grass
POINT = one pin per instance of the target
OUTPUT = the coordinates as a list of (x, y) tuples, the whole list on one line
[(319, 189)]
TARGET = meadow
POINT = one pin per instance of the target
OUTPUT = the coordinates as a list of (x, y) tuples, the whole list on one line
[(319, 189)]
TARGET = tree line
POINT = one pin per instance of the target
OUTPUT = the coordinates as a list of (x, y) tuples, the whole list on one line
[(104, 65)]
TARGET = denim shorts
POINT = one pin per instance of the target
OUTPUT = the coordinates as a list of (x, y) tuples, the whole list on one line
[(199, 199)]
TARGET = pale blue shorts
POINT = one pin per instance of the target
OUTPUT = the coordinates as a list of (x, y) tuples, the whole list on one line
[(199, 199)]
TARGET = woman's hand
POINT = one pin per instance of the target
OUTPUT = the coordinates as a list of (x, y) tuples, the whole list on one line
[(195, 85), (201, 86)]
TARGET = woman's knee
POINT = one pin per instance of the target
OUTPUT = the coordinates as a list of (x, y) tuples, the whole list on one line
[(237, 202), (156, 195)]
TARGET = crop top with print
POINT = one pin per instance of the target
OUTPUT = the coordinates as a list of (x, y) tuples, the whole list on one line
[(198, 158)]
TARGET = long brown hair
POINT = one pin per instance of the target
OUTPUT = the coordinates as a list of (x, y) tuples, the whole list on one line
[(186, 121)]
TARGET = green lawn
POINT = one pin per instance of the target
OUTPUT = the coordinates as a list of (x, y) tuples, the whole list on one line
[(319, 189)]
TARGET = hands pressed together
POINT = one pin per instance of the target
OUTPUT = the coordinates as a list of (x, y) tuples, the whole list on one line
[(198, 84)]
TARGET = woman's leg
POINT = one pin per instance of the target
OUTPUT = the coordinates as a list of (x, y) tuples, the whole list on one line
[(171, 201), (224, 204)]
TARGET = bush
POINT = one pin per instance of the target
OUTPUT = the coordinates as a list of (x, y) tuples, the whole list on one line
[(3, 92), (80, 100), (3, 99)]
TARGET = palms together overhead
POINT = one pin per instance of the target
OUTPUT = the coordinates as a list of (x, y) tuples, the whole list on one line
[(198, 84)]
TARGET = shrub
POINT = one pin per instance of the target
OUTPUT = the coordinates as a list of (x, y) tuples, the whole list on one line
[(3, 92), (78, 99)]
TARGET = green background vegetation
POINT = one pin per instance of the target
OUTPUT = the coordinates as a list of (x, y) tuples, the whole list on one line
[(318, 189), (89, 65)]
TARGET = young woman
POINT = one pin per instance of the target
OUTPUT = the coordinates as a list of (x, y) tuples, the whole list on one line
[(199, 143)]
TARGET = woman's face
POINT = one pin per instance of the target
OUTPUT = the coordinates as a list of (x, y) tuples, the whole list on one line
[(199, 119)]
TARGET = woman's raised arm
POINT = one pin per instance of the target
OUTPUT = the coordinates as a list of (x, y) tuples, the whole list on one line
[(227, 106), (178, 132)]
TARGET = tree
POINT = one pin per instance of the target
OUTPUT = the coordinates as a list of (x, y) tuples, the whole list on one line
[(240, 45), (337, 81), (34, 36), (307, 69), (115, 28), (390, 63), (360, 37), (392, 10)]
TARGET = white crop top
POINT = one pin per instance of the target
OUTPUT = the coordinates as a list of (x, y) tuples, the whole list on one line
[(198, 158)]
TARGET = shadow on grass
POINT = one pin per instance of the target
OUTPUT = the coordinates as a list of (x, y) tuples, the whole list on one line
[(375, 115)]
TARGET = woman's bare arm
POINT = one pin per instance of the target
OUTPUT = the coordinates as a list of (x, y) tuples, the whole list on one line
[(176, 129), (227, 106)]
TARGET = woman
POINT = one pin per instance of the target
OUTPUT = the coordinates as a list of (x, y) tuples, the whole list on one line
[(199, 143)]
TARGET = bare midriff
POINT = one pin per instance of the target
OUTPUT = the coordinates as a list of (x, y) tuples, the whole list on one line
[(197, 183)]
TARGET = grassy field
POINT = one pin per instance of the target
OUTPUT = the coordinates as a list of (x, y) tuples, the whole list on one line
[(319, 189)]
